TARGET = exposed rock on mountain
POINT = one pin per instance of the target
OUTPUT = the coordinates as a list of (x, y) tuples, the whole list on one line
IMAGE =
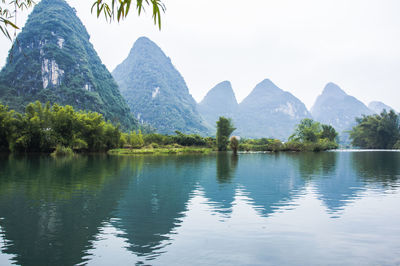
[(53, 60)]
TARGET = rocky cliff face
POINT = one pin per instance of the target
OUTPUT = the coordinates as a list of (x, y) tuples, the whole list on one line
[(219, 101), (336, 108), (156, 92), (269, 111), (53, 60)]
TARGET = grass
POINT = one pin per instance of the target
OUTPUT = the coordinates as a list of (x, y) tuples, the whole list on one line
[(161, 150)]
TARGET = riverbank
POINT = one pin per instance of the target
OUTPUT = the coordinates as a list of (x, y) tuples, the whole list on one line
[(161, 150), (174, 149), (292, 146)]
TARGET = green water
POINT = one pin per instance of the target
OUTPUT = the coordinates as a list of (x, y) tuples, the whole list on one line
[(332, 208)]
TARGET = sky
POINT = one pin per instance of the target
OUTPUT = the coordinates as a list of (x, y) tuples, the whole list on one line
[(299, 44)]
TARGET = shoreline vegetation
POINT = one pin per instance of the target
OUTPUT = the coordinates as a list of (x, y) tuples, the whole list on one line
[(167, 150), (62, 131)]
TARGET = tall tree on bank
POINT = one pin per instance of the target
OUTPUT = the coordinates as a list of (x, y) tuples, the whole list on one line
[(234, 144), (224, 130)]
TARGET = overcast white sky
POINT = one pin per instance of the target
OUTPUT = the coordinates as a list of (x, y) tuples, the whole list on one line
[(299, 44)]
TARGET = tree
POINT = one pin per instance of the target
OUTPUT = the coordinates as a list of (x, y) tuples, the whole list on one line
[(234, 144), (313, 136), (43, 128), (8, 123), (328, 132), (8, 11), (119, 9), (376, 131), (224, 130), (112, 9), (307, 131)]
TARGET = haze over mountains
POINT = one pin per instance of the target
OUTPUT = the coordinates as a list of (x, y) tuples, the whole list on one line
[(54, 61)]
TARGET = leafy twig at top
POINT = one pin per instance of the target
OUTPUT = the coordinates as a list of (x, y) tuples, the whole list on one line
[(8, 11), (119, 9)]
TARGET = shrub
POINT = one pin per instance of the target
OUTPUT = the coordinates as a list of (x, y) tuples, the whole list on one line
[(62, 151), (397, 145)]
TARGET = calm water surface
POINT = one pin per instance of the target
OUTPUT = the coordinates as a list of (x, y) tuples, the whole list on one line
[(332, 208)]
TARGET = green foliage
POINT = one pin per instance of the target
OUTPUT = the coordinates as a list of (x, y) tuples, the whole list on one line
[(397, 145), (189, 140), (262, 144), (110, 9), (120, 9), (310, 135), (179, 139), (329, 133), (234, 144), (376, 131), (320, 145), (62, 151), (134, 140), (156, 92), (160, 150), (157, 138), (8, 123), (307, 131), (8, 11), (42, 129), (52, 60), (224, 130)]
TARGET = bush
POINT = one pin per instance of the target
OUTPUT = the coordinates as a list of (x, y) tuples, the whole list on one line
[(263, 144), (397, 145), (188, 140), (62, 151), (293, 146), (157, 138)]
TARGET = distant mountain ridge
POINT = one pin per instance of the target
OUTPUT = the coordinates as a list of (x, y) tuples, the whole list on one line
[(156, 92), (267, 111), (53, 60), (219, 101), (377, 107), (336, 108)]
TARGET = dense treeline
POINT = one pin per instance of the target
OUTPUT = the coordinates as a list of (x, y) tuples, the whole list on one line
[(309, 135), (380, 131), (155, 139), (43, 128)]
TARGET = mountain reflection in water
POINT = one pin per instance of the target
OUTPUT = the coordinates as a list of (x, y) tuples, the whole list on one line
[(58, 211)]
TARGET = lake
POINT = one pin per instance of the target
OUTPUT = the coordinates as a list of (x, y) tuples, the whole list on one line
[(330, 208)]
